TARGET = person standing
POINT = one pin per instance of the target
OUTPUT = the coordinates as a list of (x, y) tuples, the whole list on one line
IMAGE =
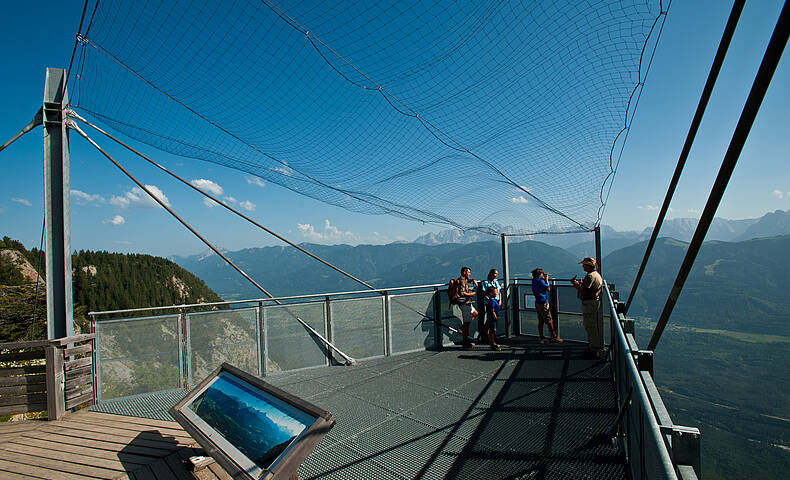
[(492, 309), (464, 299), (541, 289), (490, 281), (589, 289)]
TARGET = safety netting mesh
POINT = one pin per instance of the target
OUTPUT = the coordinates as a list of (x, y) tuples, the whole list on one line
[(501, 117)]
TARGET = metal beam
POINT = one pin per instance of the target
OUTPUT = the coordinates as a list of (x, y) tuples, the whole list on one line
[(773, 53), (505, 294), (57, 206)]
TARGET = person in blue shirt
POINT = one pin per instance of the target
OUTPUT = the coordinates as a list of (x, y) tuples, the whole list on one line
[(491, 281), (541, 288), (492, 314)]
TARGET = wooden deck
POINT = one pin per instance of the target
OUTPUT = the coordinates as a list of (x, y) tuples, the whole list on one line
[(90, 445)]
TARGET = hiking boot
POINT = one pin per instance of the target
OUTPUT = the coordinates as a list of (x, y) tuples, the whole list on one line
[(468, 343)]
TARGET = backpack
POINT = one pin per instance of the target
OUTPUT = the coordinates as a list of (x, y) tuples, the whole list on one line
[(452, 290)]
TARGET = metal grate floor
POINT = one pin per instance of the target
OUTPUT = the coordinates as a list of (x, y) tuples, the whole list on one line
[(529, 411)]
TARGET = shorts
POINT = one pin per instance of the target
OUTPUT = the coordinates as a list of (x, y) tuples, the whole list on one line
[(467, 312), (544, 312)]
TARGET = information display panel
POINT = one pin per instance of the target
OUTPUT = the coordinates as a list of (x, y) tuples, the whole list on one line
[(251, 428)]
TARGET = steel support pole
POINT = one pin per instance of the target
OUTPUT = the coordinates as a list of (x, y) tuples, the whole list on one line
[(505, 291), (773, 53), (598, 254), (57, 206)]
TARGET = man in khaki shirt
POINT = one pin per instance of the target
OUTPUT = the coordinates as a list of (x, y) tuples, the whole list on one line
[(589, 289)]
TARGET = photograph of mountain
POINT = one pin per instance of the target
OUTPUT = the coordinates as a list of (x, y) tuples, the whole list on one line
[(259, 425)]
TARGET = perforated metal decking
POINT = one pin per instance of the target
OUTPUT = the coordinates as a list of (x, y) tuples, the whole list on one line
[(529, 411)]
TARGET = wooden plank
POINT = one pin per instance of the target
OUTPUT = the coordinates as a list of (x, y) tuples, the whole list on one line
[(64, 456), (87, 370), (77, 401), (74, 381), (53, 443), (23, 380), (159, 434), (60, 467), (220, 472), (80, 362), (161, 470), (33, 471), (55, 384), (143, 473), (171, 428), (13, 476), (73, 339), (16, 409), (26, 370), (78, 350), (144, 439), (178, 467), (78, 391), (18, 356), (24, 389), (25, 344), (23, 399), (101, 445), (149, 422)]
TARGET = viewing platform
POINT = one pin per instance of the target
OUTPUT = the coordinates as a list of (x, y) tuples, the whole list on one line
[(412, 407)]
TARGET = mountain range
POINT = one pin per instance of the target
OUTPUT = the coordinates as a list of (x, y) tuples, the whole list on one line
[(581, 244)]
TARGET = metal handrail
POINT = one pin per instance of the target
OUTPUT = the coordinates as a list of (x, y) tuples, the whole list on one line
[(266, 299), (640, 394)]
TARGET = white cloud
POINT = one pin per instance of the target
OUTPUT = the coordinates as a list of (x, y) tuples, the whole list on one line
[(209, 202), (138, 198), (116, 220), (82, 198), (283, 170), (693, 211), (230, 200), (647, 207), (207, 186), (247, 205), (331, 233), (256, 181), (519, 199), (778, 193), (23, 201)]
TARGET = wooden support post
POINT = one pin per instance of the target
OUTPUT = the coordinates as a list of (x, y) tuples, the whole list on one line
[(56, 395)]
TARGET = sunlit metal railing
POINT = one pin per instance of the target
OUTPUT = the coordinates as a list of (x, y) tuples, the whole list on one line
[(655, 447), (155, 349)]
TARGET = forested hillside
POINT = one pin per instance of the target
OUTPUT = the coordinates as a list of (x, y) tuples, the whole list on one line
[(101, 281)]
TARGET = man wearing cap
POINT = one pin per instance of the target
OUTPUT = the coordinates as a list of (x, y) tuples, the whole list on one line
[(589, 289)]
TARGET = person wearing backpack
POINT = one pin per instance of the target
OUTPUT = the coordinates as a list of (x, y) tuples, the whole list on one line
[(464, 298)]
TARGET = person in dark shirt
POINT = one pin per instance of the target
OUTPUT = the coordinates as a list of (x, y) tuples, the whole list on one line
[(540, 289)]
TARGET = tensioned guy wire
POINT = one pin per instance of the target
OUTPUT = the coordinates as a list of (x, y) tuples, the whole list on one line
[(71, 113), (72, 125)]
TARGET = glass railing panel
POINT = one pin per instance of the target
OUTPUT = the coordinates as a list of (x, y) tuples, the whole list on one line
[(222, 336), (451, 316), (138, 355), (567, 299), (289, 345), (358, 326), (409, 329)]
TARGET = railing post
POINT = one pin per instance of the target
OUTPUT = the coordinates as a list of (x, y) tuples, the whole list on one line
[(265, 330), (644, 361), (506, 275), (94, 359), (387, 325), (184, 342), (437, 315), (259, 333), (56, 388), (329, 336), (686, 449), (515, 300)]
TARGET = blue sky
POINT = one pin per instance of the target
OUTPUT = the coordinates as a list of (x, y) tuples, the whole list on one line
[(108, 214)]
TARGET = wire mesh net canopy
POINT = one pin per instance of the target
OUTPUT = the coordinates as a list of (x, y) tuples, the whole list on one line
[(501, 117)]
